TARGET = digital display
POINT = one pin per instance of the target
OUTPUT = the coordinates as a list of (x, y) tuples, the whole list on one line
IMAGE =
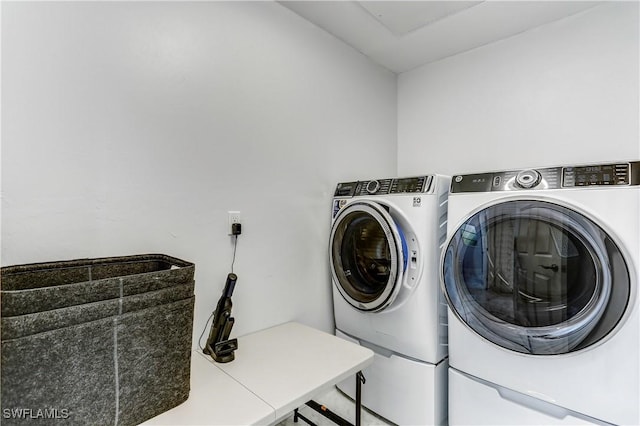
[(408, 185), (609, 174), (593, 175)]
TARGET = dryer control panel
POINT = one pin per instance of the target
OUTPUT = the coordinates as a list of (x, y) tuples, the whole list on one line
[(409, 185), (594, 175)]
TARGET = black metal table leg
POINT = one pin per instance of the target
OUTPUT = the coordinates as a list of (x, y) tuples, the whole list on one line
[(359, 382), (298, 415), (335, 418)]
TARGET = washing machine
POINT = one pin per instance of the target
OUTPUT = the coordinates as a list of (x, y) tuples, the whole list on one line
[(384, 248), (540, 273)]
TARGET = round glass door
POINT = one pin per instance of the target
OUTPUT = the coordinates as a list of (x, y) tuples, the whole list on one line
[(535, 277), (367, 256)]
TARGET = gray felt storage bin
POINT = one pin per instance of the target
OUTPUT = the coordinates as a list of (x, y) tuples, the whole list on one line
[(41, 287), (115, 361)]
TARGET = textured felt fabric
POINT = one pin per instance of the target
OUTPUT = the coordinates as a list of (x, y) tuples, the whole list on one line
[(119, 361), (45, 286), (13, 327), (70, 370)]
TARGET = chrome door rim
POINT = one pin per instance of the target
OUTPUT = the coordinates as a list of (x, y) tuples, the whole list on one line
[(463, 304), (386, 222)]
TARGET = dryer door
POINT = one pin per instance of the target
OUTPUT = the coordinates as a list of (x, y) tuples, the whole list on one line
[(368, 255), (535, 277)]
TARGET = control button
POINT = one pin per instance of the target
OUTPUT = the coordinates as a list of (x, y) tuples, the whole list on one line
[(497, 180), (373, 186), (528, 179), (458, 179)]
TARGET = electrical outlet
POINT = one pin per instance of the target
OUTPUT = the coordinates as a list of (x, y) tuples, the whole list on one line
[(234, 217)]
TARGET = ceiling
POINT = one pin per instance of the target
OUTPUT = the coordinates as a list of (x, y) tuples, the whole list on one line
[(402, 35)]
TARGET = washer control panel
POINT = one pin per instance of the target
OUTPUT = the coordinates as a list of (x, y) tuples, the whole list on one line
[(596, 175), (418, 184)]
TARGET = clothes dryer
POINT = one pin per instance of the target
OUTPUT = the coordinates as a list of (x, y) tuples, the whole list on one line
[(540, 274), (384, 249)]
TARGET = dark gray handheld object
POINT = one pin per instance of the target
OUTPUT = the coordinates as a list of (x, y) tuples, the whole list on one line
[(218, 344)]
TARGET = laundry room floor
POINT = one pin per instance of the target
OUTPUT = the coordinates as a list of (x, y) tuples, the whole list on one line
[(340, 404)]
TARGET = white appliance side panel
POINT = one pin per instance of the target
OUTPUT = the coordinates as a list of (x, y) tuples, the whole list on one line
[(403, 391), (474, 403)]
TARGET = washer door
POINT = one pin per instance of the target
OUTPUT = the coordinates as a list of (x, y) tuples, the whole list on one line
[(368, 255), (535, 277)]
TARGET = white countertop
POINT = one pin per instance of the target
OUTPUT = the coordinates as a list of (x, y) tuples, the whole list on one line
[(275, 371)]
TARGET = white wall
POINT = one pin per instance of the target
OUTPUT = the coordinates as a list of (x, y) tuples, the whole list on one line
[(563, 93), (134, 127)]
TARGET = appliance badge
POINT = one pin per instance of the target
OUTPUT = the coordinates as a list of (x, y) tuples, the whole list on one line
[(417, 201)]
